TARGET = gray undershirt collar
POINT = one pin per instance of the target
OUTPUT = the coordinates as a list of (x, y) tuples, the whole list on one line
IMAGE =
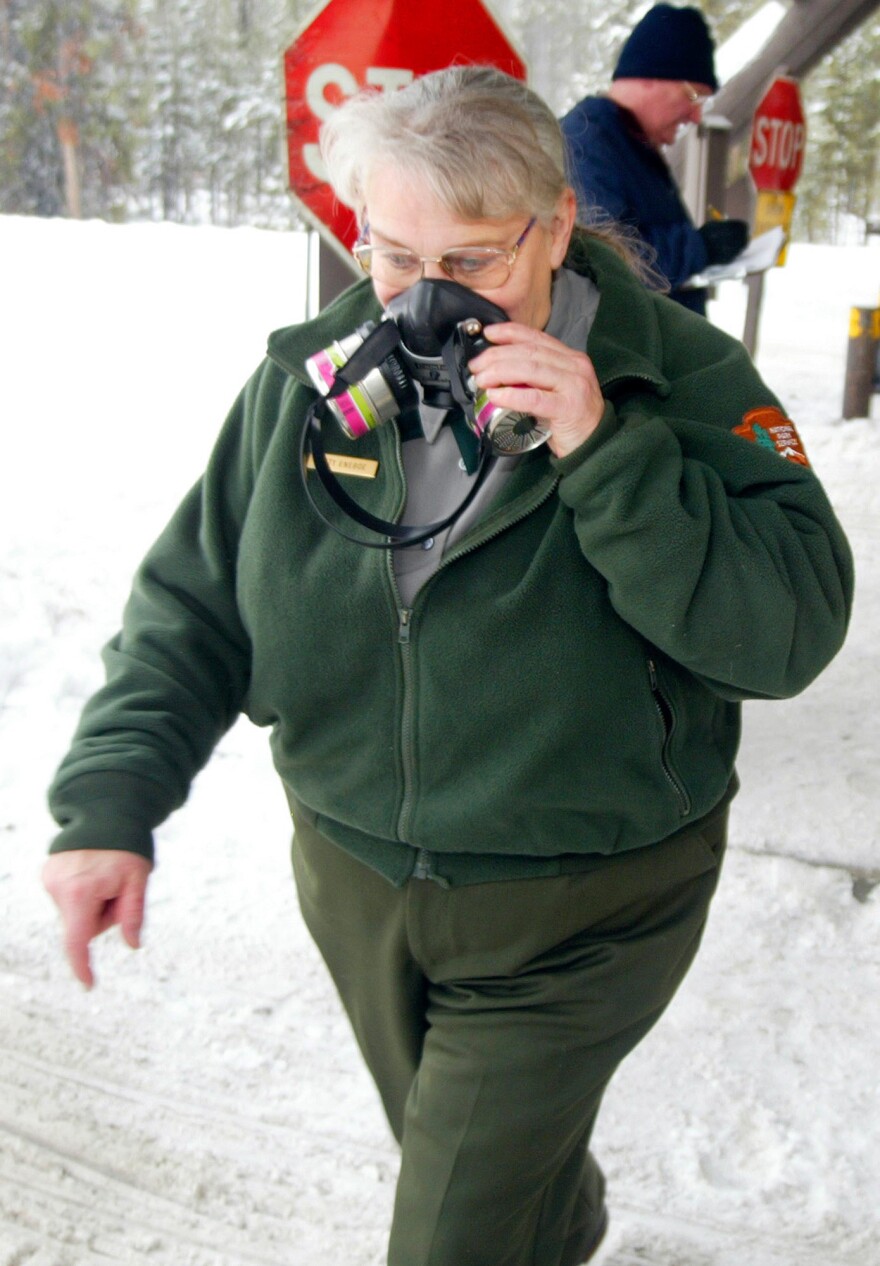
[(436, 482)]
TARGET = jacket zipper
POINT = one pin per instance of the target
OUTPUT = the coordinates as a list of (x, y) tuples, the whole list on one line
[(407, 723), (407, 728), (667, 720), (424, 869), (424, 864), (404, 633), (458, 552)]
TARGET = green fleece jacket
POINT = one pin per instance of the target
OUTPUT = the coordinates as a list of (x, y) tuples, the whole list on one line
[(566, 685)]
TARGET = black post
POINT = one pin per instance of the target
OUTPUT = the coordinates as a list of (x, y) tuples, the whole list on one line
[(861, 361), (755, 287), (334, 274)]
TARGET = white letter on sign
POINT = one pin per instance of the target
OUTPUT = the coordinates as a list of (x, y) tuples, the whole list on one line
[(332, 73), (318, 82), (800, 135), (759, 147), (786, 149), (387, 77)]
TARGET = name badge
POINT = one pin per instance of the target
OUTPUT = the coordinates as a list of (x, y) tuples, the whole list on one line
[(360, 467)]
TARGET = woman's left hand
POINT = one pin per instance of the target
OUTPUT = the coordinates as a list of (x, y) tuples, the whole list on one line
[(531, 372)]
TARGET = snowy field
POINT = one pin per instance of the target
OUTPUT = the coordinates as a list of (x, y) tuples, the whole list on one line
[(205, 1105)]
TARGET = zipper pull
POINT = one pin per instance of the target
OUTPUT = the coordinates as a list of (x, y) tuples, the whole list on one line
[(403, 628), (423, 869)]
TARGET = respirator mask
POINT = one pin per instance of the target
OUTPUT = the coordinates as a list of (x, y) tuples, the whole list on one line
[(419, 351)]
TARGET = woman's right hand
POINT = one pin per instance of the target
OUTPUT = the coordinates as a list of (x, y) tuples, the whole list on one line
[(93, 889), (553, 382)]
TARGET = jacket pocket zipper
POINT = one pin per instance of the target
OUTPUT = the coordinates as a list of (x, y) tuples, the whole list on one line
[(667, 721)]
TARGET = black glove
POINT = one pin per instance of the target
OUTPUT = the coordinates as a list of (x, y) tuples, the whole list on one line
[(724, 239)]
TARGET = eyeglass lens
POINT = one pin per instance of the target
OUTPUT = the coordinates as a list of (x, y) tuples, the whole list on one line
[(468, 266)]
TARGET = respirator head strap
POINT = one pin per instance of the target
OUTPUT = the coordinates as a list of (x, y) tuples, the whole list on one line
[(453, 353), (399, 535), (376, 347)]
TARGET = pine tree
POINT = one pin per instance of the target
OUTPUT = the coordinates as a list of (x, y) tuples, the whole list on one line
[(173, 109), (841, 179), (64, 106)]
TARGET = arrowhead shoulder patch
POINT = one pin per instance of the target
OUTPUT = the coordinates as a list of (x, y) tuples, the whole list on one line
[(769, 427)]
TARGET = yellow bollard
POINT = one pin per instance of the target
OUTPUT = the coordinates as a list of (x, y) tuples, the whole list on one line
[(861, 361)]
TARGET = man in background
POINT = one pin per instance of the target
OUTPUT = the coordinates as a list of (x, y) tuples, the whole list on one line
[(664, 76)]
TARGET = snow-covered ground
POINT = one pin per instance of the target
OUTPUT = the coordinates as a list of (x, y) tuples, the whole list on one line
[(205, 1105)]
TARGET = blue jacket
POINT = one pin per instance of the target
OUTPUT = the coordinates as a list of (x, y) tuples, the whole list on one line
[(614, 168)]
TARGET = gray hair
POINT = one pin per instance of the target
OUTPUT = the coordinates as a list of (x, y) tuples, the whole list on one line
[(485, 144)]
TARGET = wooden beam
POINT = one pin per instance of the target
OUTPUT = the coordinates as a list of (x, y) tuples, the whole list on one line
[(809, 30)]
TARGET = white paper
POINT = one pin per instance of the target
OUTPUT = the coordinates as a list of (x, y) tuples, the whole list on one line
[(760, 254)]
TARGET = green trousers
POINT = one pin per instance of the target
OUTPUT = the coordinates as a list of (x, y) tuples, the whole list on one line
[(491, 1017)]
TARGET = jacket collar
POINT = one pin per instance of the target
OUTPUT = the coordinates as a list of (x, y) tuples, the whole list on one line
[(291, 346), (624, 342)]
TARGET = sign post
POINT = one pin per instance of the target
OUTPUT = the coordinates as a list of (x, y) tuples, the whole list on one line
[(776, 156), (354, 44)]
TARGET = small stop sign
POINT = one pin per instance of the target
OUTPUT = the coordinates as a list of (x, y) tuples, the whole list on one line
[(779, 133), (354, 44)]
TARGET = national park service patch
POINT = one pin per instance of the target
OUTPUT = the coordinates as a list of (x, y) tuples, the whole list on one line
[(769, 427)]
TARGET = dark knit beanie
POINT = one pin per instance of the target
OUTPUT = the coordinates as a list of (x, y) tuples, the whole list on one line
[(669, 43)]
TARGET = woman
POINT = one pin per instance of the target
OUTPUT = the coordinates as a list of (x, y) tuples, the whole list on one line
[(508, 749)]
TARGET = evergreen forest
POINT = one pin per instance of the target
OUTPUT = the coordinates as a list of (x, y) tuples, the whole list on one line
[(174, 110)]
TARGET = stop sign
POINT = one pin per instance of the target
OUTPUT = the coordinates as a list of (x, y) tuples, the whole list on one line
[(779, 132), (354, 44)]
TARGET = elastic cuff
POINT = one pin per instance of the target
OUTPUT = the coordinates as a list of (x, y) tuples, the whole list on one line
[(608, 426), (108, 810)]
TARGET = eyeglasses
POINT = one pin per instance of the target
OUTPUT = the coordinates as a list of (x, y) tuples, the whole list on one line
[(695, 98), (482, 267)]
